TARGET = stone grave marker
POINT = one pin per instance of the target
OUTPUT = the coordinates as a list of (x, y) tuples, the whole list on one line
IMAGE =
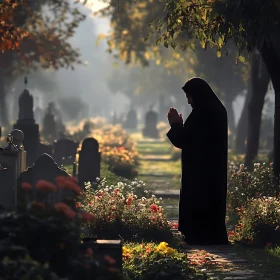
[(131, 119), (12, 161), (44, 168), (89, 161), (151, 119), (65, 151), (26, 123)]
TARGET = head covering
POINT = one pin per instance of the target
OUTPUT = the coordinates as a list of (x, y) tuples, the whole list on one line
[(201, 93)]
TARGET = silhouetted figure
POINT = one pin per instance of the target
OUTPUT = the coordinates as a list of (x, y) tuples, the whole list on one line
[(203, 139)]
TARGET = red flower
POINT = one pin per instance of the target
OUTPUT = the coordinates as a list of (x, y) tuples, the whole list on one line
[(69, 183), (43, 185), (62, 207), (154, 208), (70, 214), (128, 201), (26, 186), (109, 259), (121, 148), (87, 217)]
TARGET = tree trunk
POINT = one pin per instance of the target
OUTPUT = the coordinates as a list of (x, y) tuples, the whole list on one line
[(242, 127), (230, 112), (260, 79), (272, 61)]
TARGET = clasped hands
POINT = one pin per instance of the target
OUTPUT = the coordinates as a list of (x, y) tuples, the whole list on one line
[(174, 117)]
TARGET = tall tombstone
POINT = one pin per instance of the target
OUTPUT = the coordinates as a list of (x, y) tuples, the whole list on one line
[(151, 120), (49, 124), (89, 161), (65, 151), (26, 123), (131, 119), (12, 162)]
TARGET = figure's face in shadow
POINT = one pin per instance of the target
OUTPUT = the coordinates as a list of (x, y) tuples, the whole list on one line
[(190, 101)]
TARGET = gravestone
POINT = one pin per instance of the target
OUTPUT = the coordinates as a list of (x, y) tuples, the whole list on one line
[(26, 123), (44, 168), (131, 119), (89, 161), (12, 161), (65, 151), (150, 130), (49, 124)]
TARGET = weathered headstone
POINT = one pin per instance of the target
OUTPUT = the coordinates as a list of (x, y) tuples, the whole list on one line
[(12, 161), (49, 124), (131, 119), (151, 119), (26, 123), (44, 168), (89, 161), (65, 151)]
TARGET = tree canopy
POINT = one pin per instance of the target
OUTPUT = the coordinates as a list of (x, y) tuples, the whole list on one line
[(36, 34)]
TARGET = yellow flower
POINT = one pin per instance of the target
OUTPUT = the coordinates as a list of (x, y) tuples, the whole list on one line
[(125, 250), (162, 246), (169, 251)]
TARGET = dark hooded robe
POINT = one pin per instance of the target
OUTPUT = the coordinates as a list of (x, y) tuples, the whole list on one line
[(203, 139)]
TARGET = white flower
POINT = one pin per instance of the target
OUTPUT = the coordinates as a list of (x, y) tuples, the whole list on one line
[(153, 196), (120, 184), (145, 191)]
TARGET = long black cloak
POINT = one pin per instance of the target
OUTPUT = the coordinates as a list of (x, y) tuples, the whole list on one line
[(204, 142)]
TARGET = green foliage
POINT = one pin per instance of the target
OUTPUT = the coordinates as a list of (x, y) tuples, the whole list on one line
[(244, 186)]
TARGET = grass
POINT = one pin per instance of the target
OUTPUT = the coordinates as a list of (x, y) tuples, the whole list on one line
[(154, 148), (164, 167)]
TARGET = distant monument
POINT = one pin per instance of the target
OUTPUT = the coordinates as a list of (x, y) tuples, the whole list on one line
[(26, 123), (49, 124), (151, 119), (89, 161), (131, 119)]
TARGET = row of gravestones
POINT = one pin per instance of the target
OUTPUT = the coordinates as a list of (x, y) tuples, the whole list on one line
[(151, 120), (13, 175), (13, 167)]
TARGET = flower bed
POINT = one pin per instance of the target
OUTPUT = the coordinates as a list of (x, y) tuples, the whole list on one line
[(244, 186), (42, 240), (259, 222), (127, 210), (143, 261)]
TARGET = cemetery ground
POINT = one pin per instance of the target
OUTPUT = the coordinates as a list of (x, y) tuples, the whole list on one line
[(162, 176), (121, 207)]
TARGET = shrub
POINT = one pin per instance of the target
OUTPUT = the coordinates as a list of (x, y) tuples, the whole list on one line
[(244, 186), (259, 222), (127, 210), (156, 261)]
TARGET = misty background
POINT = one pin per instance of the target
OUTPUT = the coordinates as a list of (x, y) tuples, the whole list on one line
[(101, 86)]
